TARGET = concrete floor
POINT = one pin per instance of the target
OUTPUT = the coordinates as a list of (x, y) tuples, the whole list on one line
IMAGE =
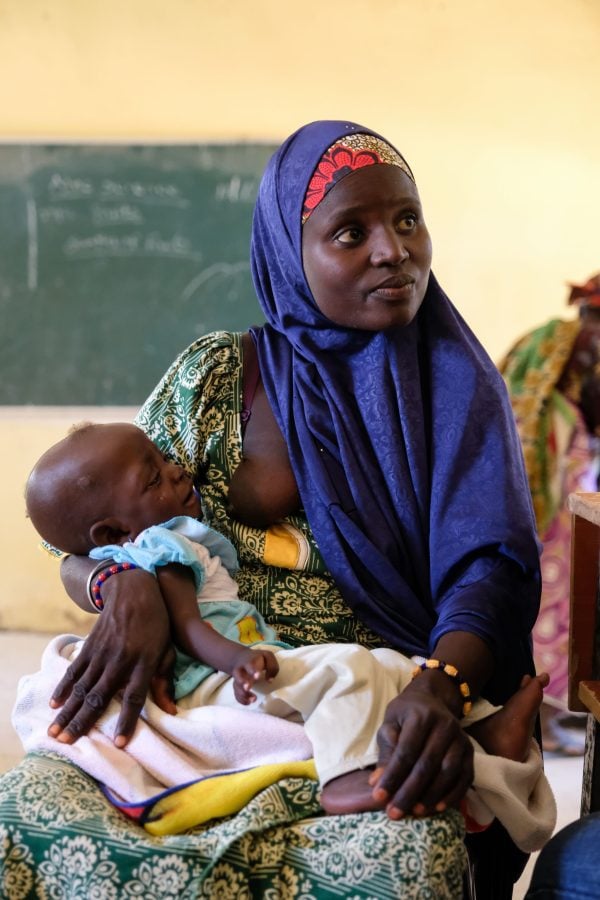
[(20, 653)]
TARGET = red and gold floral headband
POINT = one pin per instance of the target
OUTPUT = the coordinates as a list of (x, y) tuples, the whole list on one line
[(352, 152)]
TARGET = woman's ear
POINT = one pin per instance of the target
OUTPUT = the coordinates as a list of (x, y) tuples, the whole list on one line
[(109, 531)]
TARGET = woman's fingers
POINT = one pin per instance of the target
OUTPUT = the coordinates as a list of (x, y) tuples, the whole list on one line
[(450, 782), (132, 702), (452, 791), (425, 758), (410, 770), (78, 683), (77, 670), (395, 761), (87, 701)]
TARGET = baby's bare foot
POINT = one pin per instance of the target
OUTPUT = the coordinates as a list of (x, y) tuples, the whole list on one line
[(508, 732), (349, 793)]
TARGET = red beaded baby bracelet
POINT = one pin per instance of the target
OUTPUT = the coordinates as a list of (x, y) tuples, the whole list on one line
[(96, 589)]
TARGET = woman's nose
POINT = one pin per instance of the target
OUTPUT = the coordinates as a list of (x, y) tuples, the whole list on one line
[(388, 248)]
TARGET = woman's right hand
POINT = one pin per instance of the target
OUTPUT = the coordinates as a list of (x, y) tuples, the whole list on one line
[(128, 652)]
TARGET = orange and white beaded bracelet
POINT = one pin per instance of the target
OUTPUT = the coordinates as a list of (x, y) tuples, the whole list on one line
[(453, 673)]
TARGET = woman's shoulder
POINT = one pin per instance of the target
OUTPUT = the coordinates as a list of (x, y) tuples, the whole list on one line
[(214, 353), (205, 376), (210, 350)]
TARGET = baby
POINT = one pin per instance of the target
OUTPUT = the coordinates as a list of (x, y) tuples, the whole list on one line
[(107, 490)]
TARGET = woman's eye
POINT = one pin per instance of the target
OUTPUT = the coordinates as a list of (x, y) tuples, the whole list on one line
[(349, 236), (155, 480), (407, 222)]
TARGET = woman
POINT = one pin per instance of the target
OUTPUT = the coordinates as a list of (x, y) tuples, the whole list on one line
[(377, 493), (552, 375)]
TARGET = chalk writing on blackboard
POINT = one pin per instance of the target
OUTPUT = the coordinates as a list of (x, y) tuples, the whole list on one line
[(114, 258)]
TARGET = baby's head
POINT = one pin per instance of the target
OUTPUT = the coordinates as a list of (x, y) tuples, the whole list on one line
[(103, 484)]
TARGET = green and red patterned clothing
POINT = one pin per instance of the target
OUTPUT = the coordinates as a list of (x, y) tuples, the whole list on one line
[(559, 459)]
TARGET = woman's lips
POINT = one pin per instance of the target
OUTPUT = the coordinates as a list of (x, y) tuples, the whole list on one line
[(397, 288)]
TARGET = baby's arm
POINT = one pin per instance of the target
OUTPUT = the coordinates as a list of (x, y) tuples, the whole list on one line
[(199, 640)]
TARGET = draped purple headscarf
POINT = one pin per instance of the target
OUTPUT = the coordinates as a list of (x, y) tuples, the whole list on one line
[(402, 443)]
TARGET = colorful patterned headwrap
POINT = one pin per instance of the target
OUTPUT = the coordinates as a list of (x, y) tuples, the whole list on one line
[(352, 152)]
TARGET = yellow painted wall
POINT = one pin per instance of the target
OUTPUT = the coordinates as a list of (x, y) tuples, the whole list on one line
[(494, 103)]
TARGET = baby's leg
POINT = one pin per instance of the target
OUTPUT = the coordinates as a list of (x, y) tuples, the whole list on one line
[(342, 692), (508, 732)]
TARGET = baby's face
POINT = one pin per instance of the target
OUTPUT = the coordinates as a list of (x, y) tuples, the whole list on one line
[(146, 489)]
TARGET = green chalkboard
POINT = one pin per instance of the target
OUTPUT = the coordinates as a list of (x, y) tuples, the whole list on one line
[(114, 258)]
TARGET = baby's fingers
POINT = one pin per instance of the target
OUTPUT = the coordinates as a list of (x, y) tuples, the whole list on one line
[(271, 664), (249, 672), (242, 694)]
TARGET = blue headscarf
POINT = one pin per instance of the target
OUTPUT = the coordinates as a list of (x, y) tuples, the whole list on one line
[(402, 442)]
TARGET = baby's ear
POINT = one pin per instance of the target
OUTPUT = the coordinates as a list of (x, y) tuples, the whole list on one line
[(109, 531)]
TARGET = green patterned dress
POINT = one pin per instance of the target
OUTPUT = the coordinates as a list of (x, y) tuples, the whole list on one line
[(60, 838)]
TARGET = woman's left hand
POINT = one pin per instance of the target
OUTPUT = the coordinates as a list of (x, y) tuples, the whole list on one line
[(425, 758)]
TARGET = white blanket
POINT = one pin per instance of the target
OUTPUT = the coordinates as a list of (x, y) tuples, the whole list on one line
[(205, 741), (166, 751)]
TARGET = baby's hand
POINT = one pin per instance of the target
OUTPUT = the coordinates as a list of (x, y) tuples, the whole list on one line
[(251, 666)]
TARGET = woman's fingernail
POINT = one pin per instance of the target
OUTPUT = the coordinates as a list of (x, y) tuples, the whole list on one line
[(394, 813), (419, 809), (54, 731), (380, 795), (440, 807), (375, 776)]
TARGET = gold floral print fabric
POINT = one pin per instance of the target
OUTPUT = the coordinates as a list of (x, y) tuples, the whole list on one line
[(59, 837)]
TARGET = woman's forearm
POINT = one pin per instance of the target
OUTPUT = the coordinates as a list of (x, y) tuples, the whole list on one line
[(74, 572), (471, 656), (474, 661)]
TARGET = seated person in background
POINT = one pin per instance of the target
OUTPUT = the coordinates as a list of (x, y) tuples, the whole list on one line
[(567, 868), (109, 490), (553, 377)]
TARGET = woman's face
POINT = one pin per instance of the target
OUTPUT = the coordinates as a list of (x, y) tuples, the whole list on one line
[(366, 250)]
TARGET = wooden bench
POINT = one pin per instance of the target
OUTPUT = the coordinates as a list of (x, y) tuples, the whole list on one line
[(584, 636)]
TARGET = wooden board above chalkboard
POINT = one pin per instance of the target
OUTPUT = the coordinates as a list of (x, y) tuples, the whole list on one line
[(114, 258)]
